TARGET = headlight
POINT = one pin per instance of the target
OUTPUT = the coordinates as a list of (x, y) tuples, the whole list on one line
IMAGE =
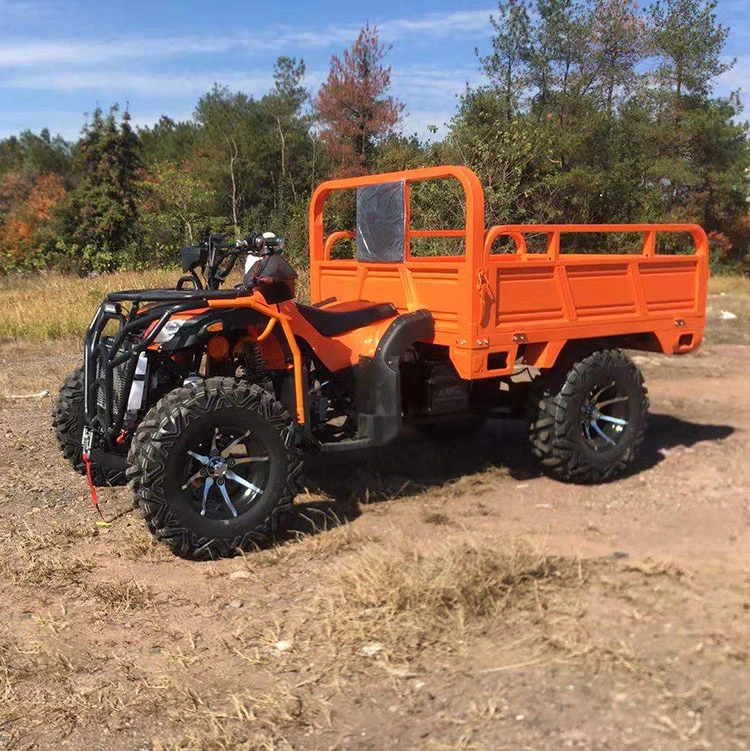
[(170, 330)]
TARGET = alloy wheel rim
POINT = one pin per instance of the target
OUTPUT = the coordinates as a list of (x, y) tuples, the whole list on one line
[(227, 473), (603, 416)]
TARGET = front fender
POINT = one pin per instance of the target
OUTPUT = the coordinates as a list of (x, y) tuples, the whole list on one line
[(196, 329)]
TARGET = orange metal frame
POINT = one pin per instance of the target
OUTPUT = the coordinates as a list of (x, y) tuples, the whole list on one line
[(486, 306), (336, 352), (275, 317)]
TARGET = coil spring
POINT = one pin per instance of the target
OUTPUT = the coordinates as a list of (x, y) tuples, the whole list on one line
[(254, 364)]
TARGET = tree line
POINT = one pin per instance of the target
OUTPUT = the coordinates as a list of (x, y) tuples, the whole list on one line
[(590, 112)]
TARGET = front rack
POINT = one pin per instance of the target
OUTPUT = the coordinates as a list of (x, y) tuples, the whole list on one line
[(102, 358), (176, 295)]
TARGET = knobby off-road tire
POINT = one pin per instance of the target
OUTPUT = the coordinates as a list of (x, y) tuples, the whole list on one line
[(143, 433), (68, 421), (160, 466), (563, 442)]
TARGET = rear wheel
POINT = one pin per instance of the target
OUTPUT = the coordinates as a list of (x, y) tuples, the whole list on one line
[(68, 422), (588, 418), (216, 467)]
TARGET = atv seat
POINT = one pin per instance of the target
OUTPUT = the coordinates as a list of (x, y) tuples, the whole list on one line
[(338, 319)]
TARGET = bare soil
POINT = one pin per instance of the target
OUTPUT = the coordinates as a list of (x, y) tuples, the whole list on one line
[(432, 595)]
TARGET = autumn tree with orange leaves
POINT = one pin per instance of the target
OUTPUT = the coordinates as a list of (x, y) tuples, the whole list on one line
[(354, 106), (26, 228)]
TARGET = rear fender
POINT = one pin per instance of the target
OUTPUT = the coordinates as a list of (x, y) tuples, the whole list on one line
[(378, 379)]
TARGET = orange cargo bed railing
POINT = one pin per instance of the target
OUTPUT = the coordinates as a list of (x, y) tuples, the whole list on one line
[(492, 309), (553, 232)]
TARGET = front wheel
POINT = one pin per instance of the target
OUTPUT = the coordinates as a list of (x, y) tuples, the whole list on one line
[(68, 421), (588, 418), (216, 468)]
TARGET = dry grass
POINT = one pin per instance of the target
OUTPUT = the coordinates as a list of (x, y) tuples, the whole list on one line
[(650, 567), (28, 557), (411, 600), (119, 596), (52, 687), (44, 688), (53, 306), (377, 617), (730, 285), (249, 721), (730, 294), (326, 536), (435, 517), (474, 484), (137, 543)]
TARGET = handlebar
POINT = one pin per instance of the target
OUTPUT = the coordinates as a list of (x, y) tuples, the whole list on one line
[(218, 252), (265, 241)]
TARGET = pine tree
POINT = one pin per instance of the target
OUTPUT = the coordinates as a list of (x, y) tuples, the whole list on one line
[(506, 67), (698, 150), (232, 137), (284, 105), (354, 106), (689, 43), (101, 214)]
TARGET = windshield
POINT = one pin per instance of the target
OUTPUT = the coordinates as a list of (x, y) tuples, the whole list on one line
[(381, 223)]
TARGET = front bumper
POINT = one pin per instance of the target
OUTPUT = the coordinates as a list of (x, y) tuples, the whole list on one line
[(110, 360)]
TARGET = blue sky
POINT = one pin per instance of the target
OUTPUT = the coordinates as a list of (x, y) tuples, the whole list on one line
[(60, 58)]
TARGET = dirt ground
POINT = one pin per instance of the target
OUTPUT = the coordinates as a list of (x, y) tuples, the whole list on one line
[(434, 595)]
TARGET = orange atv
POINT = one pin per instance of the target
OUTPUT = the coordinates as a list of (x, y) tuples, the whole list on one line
[(207, 399)]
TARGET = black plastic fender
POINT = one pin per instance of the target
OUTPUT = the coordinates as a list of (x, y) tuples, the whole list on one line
[(378, 379), (196, 328)]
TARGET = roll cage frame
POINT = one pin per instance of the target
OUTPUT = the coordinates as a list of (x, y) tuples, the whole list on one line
[(187, 301)]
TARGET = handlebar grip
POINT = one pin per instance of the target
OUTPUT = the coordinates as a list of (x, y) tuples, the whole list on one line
[(259, 242)]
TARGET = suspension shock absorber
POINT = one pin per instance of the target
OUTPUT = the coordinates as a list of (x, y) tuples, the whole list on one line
[(254, 365)]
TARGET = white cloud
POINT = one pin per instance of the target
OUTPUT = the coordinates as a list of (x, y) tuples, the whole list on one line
[(427, 82), (429, 92), (737, 77), (438, 25), (421, 121), (417, 85), (67, 125), (36, 53), (24, 9), (133, 67), (131, 82)]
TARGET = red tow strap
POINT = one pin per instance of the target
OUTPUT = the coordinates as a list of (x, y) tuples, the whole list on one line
[(89, 479)]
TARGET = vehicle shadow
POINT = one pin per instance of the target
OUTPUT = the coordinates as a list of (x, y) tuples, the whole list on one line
[(338, 484), (667, 432)]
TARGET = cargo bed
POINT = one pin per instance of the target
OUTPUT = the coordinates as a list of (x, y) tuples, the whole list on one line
[(495, 309)]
